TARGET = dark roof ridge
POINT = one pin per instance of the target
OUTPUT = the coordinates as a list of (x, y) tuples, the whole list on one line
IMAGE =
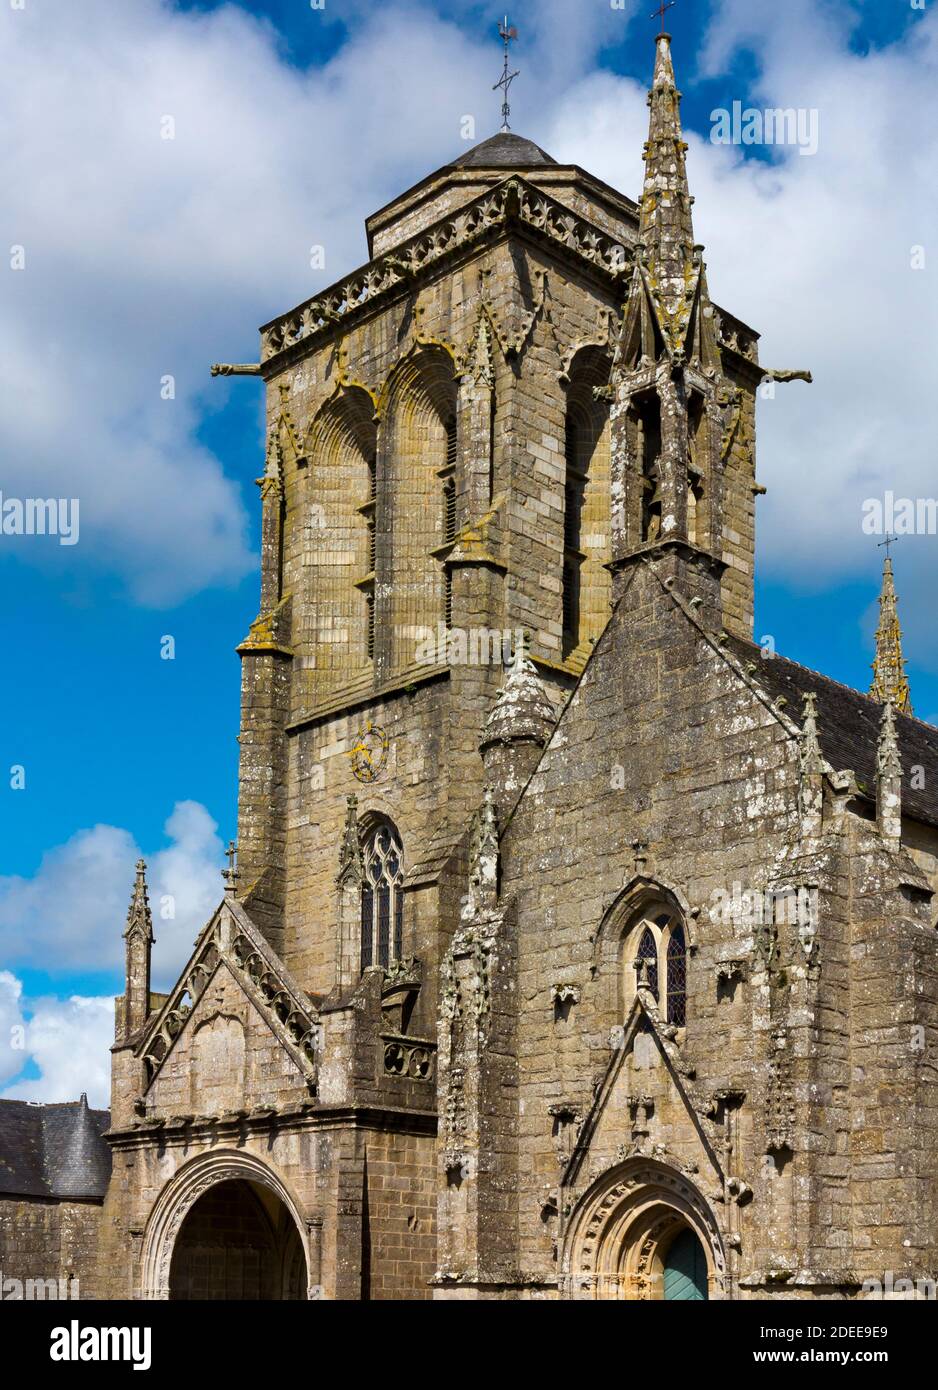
[(832, 680)]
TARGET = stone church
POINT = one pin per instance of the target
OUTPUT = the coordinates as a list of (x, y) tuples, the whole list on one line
[(606, 971)]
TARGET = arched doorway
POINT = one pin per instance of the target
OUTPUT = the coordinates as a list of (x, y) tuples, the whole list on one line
[(227, 1226), (238, 1241), (643, 1231), (685, 1269)]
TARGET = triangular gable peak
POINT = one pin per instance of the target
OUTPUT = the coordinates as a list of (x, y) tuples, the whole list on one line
[(232, 939), (643, 1022)]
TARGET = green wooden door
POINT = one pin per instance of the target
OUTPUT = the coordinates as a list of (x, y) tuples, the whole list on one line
[(685, 1269)]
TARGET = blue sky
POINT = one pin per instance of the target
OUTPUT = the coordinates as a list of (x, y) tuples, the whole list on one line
[(148, 257)]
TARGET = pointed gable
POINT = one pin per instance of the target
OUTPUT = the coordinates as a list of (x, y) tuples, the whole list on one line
[(237, 1031)]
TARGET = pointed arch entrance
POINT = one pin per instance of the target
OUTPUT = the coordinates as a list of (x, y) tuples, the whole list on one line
[(226, 1227), (238, 1241), (643, 1231)]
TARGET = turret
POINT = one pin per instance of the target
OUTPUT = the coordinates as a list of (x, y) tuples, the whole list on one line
[(516, 731)]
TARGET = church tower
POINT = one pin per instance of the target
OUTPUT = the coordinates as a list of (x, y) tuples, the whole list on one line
[(469, 438)]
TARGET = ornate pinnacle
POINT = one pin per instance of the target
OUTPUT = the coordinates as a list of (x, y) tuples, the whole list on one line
[(272, 479), (812, 759), (230, 875), (890, 683), (138, 914), (483, 860), (480, 366), (350, 851), (888, 760)]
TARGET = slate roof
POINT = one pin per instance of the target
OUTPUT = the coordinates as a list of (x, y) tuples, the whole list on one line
[(53, 1150), (848, 727), (504, 151)]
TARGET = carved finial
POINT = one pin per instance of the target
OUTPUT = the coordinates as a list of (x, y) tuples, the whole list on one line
[(230, 875), (890, 682), (812, 759), (273, 467), (350, 850), (888, 759), (480, 365), (812, 768), (138, 914), (483, 860)]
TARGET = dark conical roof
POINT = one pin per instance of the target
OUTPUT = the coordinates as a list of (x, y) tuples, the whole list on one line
[(504, 151)]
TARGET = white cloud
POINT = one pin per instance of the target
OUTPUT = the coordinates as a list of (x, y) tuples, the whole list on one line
[(149, 256), (12, 1026), (68, 1040), (70, 916)]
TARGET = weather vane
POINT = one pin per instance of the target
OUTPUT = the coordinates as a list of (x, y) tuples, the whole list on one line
[(661, 11), (506, 34), (890, 540)]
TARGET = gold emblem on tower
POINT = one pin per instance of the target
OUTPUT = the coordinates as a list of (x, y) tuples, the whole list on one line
[(370, 753)]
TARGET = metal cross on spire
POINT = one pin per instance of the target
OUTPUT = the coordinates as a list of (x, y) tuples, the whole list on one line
[(661, 11), (506, 34), (890, 540)]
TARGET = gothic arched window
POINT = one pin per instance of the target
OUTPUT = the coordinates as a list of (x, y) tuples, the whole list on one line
[(648, 955), (382, 918), (655, 951), (677, 977)]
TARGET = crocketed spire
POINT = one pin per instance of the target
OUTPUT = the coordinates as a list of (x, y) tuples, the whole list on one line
[(522, 711), (890, 683), (666, 229), (139, 919)]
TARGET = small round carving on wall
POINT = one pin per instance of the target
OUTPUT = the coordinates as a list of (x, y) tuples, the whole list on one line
[(370, 753)]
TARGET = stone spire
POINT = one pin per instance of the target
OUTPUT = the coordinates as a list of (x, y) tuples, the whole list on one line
[(889, 679), (139, 938), (889, 780), (666, 229)]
